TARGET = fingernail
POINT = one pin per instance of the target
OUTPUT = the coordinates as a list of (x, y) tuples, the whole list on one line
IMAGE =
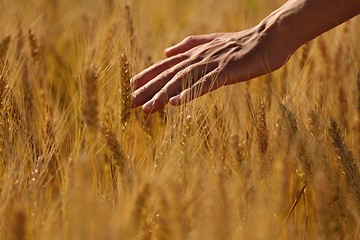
[(133, 98), (174, 100), (148, 105)]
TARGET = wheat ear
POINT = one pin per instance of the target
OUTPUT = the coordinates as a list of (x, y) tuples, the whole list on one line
[(125, 89), (90, 100), (113, 143), (130, 27), (262, 130), (347, 160), (34, 48)]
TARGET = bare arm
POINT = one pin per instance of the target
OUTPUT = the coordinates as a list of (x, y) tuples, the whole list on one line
[(300, 21), (200, 64)]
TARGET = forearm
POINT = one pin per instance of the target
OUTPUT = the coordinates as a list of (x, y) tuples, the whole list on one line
[(299, 21)]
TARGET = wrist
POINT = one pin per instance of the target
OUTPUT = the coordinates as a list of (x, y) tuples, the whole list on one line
[(280, 32), (276, 40)]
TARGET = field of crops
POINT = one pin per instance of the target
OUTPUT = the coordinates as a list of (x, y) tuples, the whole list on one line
[(276, 157)]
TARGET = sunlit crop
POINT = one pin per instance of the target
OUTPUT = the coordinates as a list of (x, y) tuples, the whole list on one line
[(276, 157)]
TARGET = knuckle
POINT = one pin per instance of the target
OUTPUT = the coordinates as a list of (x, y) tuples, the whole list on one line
[(136, 98), (162, 95), (143, 90), (184, 56), (140, 93), (165, 73), (179, 74), (189, 39), (160, 63)]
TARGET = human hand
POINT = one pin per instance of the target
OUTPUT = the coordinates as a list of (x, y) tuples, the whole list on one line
[(200, 64)]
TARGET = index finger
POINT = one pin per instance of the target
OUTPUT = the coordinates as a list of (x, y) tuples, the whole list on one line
[(153, 71)]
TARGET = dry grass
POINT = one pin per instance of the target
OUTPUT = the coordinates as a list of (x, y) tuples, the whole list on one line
[(278, 158)]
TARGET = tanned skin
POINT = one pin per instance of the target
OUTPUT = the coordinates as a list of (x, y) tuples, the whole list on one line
[(203, 63)]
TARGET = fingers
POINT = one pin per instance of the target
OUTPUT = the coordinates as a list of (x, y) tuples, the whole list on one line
[(191, 59), (146, 92), (181, 80), (208, 83), (145, 76), (187, 44)]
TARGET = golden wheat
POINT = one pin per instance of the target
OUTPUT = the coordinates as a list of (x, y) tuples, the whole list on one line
[(4, 47), (268, 161), (90, 101), (125, 89)]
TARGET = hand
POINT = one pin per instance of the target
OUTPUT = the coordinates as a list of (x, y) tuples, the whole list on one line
[(200, 64)]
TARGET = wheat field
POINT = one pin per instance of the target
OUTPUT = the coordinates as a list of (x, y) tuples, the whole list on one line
[(276, 157)]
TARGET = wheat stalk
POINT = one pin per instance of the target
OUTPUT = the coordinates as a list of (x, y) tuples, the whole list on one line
[(4, 47), (323, 47), (108, 44), (163, 116), (237, 151), (269, 90), (3, 124), (202, 121), (163, 225), (186, 131), (18, 224), (138, 209), (222, 137), (358, 90), (19, 41), (343, 106), (48, 134), (3, 89), (304, 55), (178, 214), (284, 76), (291, 119)]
